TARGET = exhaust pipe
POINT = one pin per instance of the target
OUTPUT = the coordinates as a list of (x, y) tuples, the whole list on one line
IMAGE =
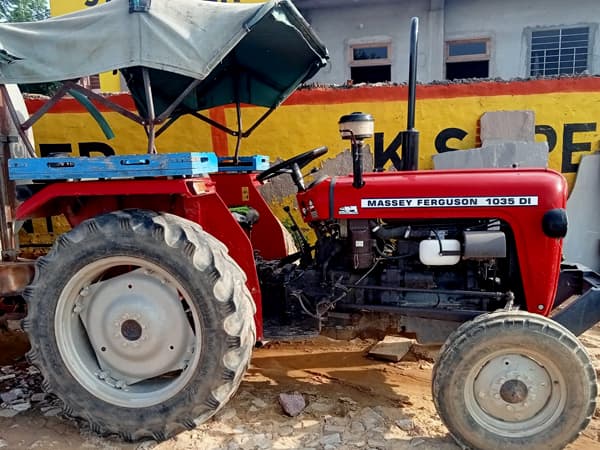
[(410, 137)]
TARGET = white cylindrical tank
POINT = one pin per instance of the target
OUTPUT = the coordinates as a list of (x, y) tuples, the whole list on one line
[(433, 252)]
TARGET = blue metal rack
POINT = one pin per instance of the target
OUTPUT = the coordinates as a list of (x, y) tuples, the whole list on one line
[(126, 166)]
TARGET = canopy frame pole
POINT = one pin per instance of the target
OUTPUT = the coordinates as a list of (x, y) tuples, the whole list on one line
[(166, 125), (15, 119), (167, 112), (46, 106), (149, 123), (8, 198), (106, 102), (229, 131), (238, 111), (260, 120)]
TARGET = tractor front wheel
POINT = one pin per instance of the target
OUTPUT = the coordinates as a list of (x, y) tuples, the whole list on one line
[(514, 380), (140, 323)]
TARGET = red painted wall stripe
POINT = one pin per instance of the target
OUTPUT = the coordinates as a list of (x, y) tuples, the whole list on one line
[(219, 137), (368, 94)]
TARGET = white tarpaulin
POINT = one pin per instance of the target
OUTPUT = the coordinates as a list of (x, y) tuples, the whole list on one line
[(188, 37)]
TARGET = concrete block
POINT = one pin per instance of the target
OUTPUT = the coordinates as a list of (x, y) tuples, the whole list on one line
[(499, 154), (392, 348), (507, 126), (582, 243)]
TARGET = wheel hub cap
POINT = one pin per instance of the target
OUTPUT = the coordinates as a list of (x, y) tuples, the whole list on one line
[(131, 330), (513, 391), (512, 388), (137, 326)]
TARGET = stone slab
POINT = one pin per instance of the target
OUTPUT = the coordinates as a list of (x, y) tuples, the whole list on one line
[(507, 126), (497, 155), (392, 348)]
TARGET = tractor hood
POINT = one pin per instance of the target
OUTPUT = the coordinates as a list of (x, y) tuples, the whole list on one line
[(248, 53)]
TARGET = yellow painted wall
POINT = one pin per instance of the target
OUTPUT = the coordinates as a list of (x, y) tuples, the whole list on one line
[(108, 81), (309, 119)]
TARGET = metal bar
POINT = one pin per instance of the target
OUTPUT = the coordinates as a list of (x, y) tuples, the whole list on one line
[(260, 120), (166, 125), (229, 131), (581, 314), (15, 118), (428, 291), (410, 137), (109, 104), (577, 302), (46, 106), (238, 111), (150, 107), (7, 197), (214, 123), (412, 72), (410, 149), (167, 112), (458, 315)]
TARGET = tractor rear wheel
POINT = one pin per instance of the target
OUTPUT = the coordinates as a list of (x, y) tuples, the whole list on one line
[(140, 323), (514, 380)]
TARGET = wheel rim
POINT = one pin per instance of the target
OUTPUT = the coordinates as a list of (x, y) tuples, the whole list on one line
[(128, 331), (515, 394)]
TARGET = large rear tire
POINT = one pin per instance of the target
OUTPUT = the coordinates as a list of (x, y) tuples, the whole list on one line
[(141, 323), (514, 380)]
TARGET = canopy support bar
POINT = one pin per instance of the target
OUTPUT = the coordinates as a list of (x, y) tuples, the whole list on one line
[(106, 102), (149, 125), (46, 107), (7, 196), (166, 125), (229, 131), (15, 118), (238, 111), (167, 112)]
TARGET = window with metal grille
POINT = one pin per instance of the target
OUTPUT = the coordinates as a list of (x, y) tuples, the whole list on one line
[(559, 51)]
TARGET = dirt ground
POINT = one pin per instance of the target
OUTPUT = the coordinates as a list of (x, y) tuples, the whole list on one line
[(353, 402)]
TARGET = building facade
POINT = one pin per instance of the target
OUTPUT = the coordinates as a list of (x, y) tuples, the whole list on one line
[(368, 39)]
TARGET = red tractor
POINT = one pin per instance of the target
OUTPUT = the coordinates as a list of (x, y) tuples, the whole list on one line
[(143, 317)]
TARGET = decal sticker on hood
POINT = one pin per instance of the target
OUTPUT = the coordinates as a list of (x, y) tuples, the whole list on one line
[(448, 202)]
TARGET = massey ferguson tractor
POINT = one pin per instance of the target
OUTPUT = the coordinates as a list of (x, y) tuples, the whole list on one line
[(142, 317)]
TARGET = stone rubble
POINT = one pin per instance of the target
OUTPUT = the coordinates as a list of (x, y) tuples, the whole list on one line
[(292, 404), (20, 391), (255, 419)]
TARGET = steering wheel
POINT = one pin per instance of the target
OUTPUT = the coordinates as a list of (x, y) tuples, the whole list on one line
[(292, 166)]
